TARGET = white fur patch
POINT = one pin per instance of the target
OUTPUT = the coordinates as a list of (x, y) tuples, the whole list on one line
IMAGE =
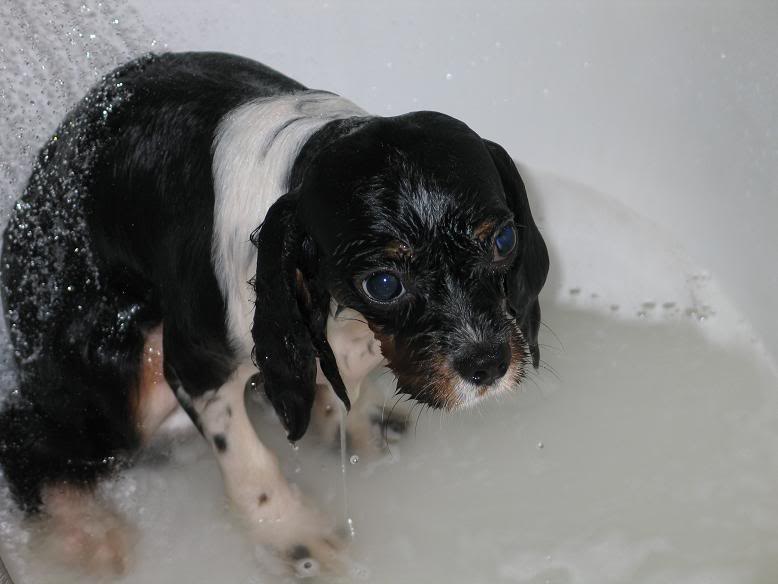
[(356, 349), (274, 511), (254, 150)]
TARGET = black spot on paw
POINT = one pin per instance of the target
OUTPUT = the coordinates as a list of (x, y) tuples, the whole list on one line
[(220, 442), (299, 552), (397, 425)]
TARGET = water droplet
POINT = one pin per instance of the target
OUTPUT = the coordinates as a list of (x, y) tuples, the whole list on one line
[(354, 459), (449, 76), (540, 445)]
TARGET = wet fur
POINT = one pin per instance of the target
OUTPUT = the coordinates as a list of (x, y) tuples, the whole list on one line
[(143, 215)]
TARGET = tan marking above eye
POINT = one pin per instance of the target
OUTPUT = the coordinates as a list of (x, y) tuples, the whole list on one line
[(398, 249), (484, 229), (303, 294)]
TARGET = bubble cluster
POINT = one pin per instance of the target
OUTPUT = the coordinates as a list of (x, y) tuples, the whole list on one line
[(51, 53), (49, 267)]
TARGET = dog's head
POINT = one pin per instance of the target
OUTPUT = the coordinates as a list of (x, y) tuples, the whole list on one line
[(422, 227)]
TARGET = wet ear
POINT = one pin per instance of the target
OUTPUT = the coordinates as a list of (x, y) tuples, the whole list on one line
[(529, 272), (290, 318)]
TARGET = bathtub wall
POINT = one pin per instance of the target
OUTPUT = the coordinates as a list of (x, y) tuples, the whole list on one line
[(670, 107)]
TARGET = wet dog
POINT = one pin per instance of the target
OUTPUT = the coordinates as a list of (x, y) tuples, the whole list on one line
[(198, 218)]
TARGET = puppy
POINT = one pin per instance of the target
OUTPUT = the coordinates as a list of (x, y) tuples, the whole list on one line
[(198, 217)]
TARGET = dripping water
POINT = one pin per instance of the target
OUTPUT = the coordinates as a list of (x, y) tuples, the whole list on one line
[(343, 456)]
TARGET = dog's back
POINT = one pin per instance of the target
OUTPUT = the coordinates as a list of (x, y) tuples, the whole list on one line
[(84, 245)]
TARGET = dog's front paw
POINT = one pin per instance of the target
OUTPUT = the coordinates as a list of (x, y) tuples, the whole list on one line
[(371, 427), (317, 555), (298, 537)]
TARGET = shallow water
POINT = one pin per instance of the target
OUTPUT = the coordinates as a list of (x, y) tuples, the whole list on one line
[(649, 455), (645, 450)]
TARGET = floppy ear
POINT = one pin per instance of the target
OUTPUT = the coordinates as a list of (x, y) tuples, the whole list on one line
[(290, 318), (529, 272)]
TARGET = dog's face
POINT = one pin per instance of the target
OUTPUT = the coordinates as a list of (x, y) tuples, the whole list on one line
[(424, 228)]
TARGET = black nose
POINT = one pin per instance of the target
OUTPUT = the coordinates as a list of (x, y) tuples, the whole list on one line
[(483, 365)]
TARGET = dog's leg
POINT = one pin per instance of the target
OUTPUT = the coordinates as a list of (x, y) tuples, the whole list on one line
[(356, 349), (369, 428), (276, 514), (81, 531), (77, 527), (155, 401), (372, 425)]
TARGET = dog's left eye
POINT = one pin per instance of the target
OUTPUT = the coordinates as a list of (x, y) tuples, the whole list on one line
[(383, 287), (504, 242)]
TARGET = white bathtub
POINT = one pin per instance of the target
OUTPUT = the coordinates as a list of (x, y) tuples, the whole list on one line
[(668, 107), (648, 135)]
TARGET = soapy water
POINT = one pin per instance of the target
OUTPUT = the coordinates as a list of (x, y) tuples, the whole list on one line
[(645, 450), (649, 455)]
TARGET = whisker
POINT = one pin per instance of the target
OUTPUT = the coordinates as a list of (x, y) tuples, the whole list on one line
[(547, 327), (544, 365), (552, 348), (416, 426), (384, 428)]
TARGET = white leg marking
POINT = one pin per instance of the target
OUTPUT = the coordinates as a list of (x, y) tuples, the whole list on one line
[(254, 150), (275, 513), (357, 353), (371, 426), (356, 349)]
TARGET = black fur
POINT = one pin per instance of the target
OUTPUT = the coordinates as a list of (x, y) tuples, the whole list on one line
[(113, 236), (131, 236), (220, 442), (527, 275), (361, 184)]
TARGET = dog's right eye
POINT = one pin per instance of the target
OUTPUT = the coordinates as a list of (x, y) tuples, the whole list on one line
[(383, 287)]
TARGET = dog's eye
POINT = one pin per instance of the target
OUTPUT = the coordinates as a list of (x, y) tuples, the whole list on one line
[(504, 242), (383, 287)]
